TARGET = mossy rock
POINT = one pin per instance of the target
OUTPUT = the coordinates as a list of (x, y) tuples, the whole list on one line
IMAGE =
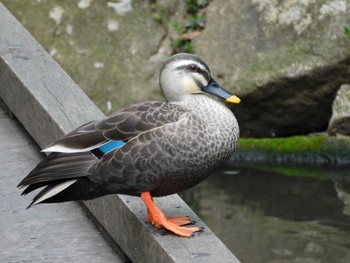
[(322, 151)]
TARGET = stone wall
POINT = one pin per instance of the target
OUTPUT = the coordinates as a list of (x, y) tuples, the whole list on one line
[(285, 59)]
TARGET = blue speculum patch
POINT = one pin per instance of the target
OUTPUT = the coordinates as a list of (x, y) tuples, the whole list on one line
[(110, 146)]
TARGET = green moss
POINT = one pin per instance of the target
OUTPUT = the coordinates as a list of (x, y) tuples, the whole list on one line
[(297, 156), (280, 145), (313, 151), (295, 144)]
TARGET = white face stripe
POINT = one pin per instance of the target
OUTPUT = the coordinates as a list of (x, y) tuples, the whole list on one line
[(182, 62), (200, 78)]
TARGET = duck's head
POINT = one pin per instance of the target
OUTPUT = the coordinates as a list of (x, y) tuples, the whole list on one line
[(185, 75)]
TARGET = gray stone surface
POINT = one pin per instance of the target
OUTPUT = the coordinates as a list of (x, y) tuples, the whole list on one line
[(286, 59), (47, 233), (339, 123), (113, 51)]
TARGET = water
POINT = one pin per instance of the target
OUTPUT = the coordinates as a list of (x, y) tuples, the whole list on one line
[(294, 215)]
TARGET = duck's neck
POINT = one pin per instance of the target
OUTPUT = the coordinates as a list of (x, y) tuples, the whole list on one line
[(213, 112), (221, 125)]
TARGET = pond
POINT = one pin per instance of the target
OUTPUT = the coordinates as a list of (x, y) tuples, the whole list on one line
[(286, 216)]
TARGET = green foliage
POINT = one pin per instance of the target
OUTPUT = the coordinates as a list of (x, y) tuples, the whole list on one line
[(188, 47), (176, 44), (157, 17), (347, 31), (193, 6), (194, 21), (160, 12), (181, 45), (178, 27)]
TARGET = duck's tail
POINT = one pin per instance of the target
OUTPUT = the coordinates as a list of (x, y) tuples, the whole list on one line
[(64, 178)]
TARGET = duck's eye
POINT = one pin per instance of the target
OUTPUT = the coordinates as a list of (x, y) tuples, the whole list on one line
[(192, 68)]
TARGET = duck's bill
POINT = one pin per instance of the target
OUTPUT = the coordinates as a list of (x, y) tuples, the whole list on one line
[(215, 89), (233, 99)]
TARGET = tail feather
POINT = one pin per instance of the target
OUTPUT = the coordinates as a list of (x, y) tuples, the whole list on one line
[(58, 166), (33, 187), (64, 178), (51, 191), (70, 190)]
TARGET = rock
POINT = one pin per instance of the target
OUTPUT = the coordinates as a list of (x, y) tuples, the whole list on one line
[(293, 151), (339, 123), (342, 187), (112, 49), (286, 59)]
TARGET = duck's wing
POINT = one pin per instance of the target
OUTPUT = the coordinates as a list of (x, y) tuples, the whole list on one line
[(163, 160), (117, 128), (75, 153)]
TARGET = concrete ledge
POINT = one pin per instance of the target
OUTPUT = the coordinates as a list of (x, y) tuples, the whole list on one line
[(48, 104)]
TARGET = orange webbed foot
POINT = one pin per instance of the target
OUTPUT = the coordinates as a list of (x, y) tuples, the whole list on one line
[(174, 224), (180, 220)]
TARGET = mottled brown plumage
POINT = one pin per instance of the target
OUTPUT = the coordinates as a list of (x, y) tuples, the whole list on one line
[(156, 147)]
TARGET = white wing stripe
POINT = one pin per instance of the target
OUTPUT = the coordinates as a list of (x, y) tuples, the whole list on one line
[(65, 149)]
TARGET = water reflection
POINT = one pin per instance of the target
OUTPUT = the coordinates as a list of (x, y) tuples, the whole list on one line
[(270, 217)]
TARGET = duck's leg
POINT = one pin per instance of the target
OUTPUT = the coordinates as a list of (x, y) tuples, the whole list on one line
[(173, 224)]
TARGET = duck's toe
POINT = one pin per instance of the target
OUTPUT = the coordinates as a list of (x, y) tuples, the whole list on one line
[(179, 230), (180, 220)]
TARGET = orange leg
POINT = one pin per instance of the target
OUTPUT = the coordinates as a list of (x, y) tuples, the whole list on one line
[(173, 224)]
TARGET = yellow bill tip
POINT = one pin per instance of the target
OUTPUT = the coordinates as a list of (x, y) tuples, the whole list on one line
[(233, 99)]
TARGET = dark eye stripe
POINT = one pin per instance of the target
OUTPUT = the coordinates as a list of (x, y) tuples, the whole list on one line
[(204, 73), (199, 84)]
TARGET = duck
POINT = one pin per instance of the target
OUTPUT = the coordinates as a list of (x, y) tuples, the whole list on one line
[(149, 149)]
